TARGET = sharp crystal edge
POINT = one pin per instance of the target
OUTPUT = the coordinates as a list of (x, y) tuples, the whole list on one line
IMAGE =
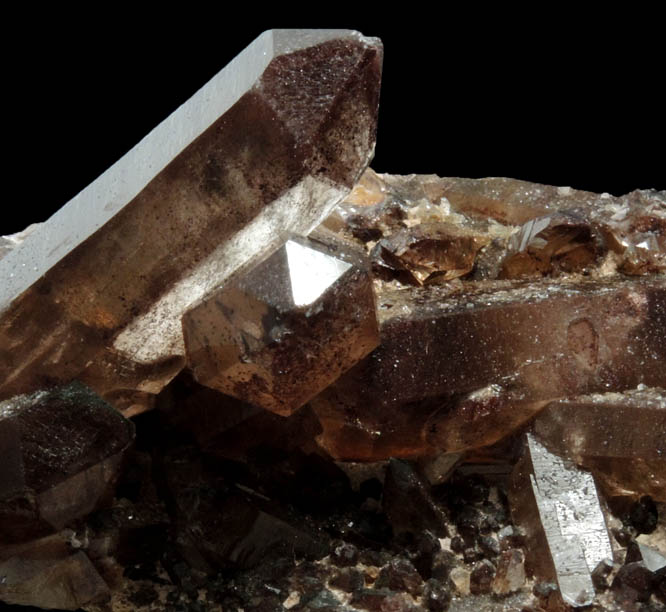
[(568, 522), (268, 146)]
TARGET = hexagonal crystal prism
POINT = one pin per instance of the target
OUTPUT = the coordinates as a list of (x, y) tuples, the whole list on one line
[(287, 329)]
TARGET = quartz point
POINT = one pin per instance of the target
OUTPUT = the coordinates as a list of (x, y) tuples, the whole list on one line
[(558, 504), (286, 329), (269, 145), (61, 454)]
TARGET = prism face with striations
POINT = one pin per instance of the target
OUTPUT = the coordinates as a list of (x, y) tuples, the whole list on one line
[(269, 145), (286, 329), (559, 505), (62, 451), (597, 425)]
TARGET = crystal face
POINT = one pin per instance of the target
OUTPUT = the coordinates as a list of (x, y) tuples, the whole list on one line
[(285, 329), (269, 145), (568, 515)]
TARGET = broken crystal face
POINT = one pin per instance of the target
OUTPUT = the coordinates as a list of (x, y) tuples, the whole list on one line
[(287, 328), (269, 145)]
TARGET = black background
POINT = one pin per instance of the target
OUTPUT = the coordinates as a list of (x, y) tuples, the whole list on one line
[(551, 98)]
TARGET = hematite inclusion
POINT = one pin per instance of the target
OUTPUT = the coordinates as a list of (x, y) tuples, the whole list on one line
[(287, 328)]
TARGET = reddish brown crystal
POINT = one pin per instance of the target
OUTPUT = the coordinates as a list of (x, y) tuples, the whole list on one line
[(630, 425), (62, 451), (459, 370), (431, 252)]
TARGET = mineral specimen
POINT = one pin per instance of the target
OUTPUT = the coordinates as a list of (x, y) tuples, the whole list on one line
[(428, 387), (270, 144), (341, 411), (286, 329), (596, 425)]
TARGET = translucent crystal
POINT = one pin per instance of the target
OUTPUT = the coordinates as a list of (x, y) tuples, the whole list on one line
[(269, 145), (462, 369), (529, 230), (287, 328), (596, 425), (431, 252), (559, 505)]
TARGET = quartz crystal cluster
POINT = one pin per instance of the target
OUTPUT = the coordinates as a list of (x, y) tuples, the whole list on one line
[(317, 387)]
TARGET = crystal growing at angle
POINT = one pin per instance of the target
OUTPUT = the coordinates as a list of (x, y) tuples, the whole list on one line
[(268, 146)]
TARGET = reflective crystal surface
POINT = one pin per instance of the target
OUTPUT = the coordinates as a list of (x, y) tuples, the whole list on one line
[(341, 421), (559, 505), (269, 145), (287, 328), (525, 230), (61, 454)]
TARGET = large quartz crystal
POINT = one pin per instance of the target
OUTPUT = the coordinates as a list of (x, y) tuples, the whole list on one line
[(442, 389), (428, 386), (269, 145)]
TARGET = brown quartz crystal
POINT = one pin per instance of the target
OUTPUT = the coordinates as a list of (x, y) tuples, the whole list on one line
[(269, 145), (286, 329), (429, 386)]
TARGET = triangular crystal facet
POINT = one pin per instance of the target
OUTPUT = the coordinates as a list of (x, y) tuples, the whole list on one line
[(311, 272)]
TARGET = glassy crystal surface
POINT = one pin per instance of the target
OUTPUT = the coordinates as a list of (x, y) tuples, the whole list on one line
[(461, 368), (287, 328), (61, 454), (631, 425), (270, 144), (558, 504), (430, 252)]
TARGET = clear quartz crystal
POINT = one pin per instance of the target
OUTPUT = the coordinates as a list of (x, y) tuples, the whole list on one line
[(568, 519)]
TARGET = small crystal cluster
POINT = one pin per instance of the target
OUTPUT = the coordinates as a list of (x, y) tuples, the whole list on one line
[(421, 393)]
